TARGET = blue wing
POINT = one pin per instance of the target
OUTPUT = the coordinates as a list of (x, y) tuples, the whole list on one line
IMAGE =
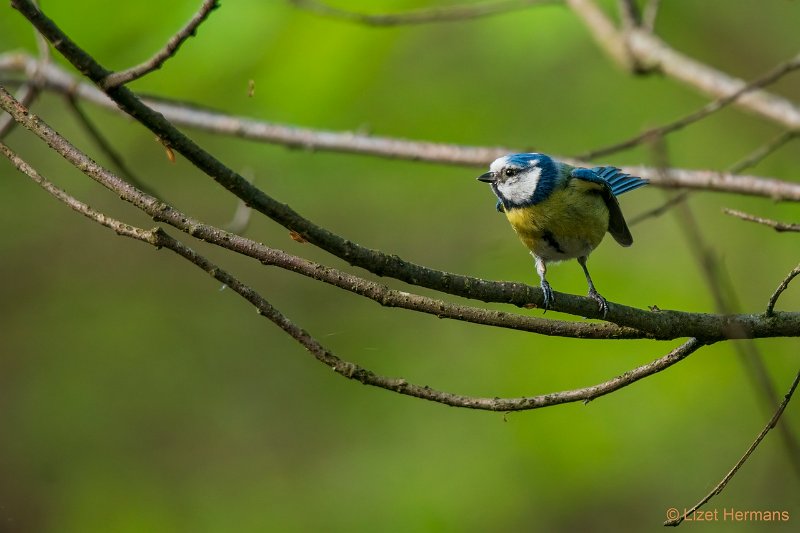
[(618, 181), (614, 182)]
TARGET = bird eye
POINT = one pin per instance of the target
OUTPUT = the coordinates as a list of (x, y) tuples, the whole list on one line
[(509, 172)]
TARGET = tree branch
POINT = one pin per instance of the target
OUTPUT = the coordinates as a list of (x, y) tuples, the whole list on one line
[(782, 287), (350, 142), (122, 77), (721, 485), (640, 47)]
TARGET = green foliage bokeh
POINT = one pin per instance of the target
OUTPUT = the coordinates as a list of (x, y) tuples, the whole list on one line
[(136, 395)]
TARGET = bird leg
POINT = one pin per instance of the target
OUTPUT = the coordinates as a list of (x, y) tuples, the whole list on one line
[(541, 269), (593, 294)]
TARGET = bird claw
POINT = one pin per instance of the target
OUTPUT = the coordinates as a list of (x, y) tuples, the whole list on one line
[(548, 296), (602, 304)]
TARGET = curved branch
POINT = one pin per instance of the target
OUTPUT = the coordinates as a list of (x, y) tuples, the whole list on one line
[(170, 49), (659, 324), (721, 485), (782, 287), (350, 142)]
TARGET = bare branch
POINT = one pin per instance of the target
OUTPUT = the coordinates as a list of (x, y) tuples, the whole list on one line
[(782, 287), (157, 61), (763, 151), (352, 142), (653, 133), (777, 226), (640, 50), (604, 32), (420, 16), (721, 485)]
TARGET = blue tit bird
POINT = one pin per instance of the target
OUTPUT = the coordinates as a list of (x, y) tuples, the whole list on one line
[(559, 211)]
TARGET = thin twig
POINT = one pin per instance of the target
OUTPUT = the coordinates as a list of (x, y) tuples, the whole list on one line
[(650, 14), (721, 485), (653, 133), (774, 224), (157, 61), (629, 14), (102, 143), (158, 238), (763, 151), (420, 16), (782, 287), (668, 204)]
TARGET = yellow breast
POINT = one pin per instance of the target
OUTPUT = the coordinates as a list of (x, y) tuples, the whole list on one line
[(570, 223)]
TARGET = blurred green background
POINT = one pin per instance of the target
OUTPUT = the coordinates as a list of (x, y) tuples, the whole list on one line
[(135, 395)]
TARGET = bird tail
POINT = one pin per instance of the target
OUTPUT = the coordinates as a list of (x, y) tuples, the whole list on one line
[(619, 181)]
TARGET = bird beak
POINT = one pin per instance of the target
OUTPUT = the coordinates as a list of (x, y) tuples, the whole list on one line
[(489, 177)]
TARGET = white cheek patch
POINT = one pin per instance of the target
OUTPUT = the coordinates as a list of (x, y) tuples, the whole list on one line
[(520, 188)]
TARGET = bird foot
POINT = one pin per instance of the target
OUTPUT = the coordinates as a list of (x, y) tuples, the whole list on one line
[(549, 298), (602, 304)]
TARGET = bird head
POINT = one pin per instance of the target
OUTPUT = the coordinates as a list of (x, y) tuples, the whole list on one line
[(521, 180)]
